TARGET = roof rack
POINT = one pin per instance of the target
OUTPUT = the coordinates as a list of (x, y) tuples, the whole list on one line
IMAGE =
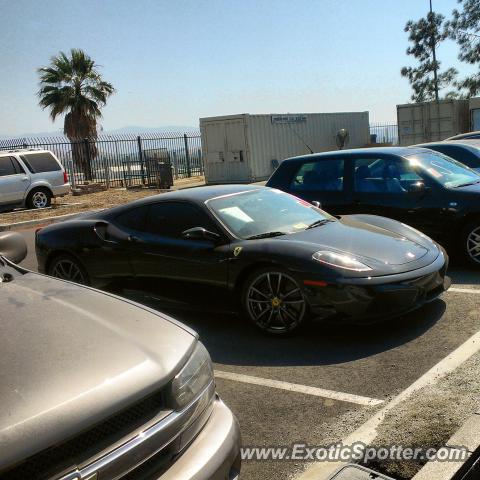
[(19, 150)]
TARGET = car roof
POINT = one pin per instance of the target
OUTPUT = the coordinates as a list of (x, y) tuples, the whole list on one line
[(473, 142), (195, 194), (400, 151), (24, 151)]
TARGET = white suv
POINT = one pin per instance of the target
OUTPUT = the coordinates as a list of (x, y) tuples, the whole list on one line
[(30, 178)]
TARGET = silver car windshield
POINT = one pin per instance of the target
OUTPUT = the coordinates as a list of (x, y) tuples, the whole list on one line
[(266, 212), (443, 169)]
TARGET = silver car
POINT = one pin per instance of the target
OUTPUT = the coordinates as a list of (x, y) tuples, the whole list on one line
[(30, 178), (97, 387)]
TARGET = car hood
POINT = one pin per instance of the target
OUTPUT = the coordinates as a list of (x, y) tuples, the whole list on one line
[(380, 248), (72, 356)]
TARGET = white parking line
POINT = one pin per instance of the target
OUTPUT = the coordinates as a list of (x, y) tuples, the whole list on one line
[(295, 387), (367, 432), (464, 290)]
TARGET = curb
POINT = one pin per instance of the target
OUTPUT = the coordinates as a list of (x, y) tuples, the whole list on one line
[(468, 435), (59, 218), (42, 221)]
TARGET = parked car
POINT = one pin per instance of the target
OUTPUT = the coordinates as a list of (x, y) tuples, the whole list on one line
[(280, 259), (30, 178), (95, 386), (464, 151), (465, 136), (418, 187)]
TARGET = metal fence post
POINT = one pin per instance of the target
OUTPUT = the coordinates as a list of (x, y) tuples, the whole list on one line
[(140, 156), (187, 156), (87, 172)]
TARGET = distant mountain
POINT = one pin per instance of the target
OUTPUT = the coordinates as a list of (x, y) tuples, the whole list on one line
[(117, 131)]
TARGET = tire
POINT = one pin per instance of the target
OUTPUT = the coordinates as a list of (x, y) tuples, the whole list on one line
[(39, 198), (67, 267), (470, 247), (273, 301)]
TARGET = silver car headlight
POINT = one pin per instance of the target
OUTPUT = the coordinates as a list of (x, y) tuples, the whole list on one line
[(340, 260), (192, 378)]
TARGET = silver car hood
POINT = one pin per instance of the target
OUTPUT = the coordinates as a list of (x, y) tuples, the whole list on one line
[(72, 356)]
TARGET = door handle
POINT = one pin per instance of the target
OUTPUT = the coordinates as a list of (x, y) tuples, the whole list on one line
[(133, 239), (24, 179)]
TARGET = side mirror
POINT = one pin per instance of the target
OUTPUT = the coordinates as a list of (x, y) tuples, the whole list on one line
[(316, 203), (417, 187), (200, 233), (13, 246)]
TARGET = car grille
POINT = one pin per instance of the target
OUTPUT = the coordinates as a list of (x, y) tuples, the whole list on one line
[(78, 449)]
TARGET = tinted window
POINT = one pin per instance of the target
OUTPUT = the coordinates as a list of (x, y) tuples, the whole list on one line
[(133, 219), (171, 219), (41, 162), (17, 166), (384, 175), (324, 175), (6, 167)]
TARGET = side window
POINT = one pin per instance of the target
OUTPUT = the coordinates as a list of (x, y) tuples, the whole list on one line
[(323, 175), (16, 165), (170, 219), (41, 162), (384, 175), (134, 218), (7, 167)]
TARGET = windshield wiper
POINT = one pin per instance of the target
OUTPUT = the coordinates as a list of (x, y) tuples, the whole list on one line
[(467, 184), (317, 223), (266, 235)]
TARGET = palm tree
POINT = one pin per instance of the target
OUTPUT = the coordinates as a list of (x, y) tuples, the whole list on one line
[(72, 85)]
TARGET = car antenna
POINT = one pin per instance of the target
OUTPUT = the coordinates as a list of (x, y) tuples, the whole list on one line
[(300, 137)]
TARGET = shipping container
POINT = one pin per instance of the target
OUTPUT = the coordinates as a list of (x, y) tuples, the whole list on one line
[(247, 148), (431, 121)]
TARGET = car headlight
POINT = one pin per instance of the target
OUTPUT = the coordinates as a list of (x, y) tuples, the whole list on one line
[(340, 260), (192, 379)]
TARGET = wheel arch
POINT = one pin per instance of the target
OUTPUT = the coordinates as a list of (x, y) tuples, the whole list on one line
[(248, 269)]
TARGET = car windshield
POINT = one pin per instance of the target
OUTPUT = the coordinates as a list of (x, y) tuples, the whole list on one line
[(266, 212), (443, 169)]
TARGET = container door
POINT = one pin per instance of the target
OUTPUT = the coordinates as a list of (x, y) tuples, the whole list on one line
[(226, 152), (476, 119)]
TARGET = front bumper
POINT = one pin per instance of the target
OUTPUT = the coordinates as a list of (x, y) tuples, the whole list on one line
[(370, 300), (215, 452)]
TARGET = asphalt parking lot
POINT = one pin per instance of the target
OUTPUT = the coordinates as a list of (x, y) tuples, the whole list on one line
[(327, 379)]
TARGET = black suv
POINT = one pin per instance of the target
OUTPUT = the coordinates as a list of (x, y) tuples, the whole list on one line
[(422, 188)]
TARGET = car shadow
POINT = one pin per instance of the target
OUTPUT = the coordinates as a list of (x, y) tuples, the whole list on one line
[(232, 340)]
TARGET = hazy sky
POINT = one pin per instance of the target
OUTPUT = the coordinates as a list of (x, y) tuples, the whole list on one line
[(175, 61)]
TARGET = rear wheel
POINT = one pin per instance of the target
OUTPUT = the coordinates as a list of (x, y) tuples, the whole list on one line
[(68, 268), (273, 301), (471, 243), (39, 198)]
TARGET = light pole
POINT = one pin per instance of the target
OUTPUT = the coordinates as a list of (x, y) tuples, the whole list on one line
[(434, 53)]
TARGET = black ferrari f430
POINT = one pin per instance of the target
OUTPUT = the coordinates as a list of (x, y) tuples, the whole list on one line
[(280, 259)]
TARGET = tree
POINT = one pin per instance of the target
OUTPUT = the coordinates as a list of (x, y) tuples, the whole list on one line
[(426, 79), (464, 28), (72, 85)]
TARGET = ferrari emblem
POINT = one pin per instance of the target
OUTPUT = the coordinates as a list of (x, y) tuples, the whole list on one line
[(237, 250)]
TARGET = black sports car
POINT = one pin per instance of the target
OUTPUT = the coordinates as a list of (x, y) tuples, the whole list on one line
[(281, 258)]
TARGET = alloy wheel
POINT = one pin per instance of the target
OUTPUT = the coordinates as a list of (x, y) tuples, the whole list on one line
[(473, 244), (40, 199), (275, 302), (67, 269)]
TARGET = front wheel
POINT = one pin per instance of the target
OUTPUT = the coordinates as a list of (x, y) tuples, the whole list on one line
[(471, 244), (273, 301)]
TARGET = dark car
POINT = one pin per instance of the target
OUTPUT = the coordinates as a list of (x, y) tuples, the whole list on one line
[(421, 188), (97, 387), (466, 136), (464, 151), (280, 258)]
